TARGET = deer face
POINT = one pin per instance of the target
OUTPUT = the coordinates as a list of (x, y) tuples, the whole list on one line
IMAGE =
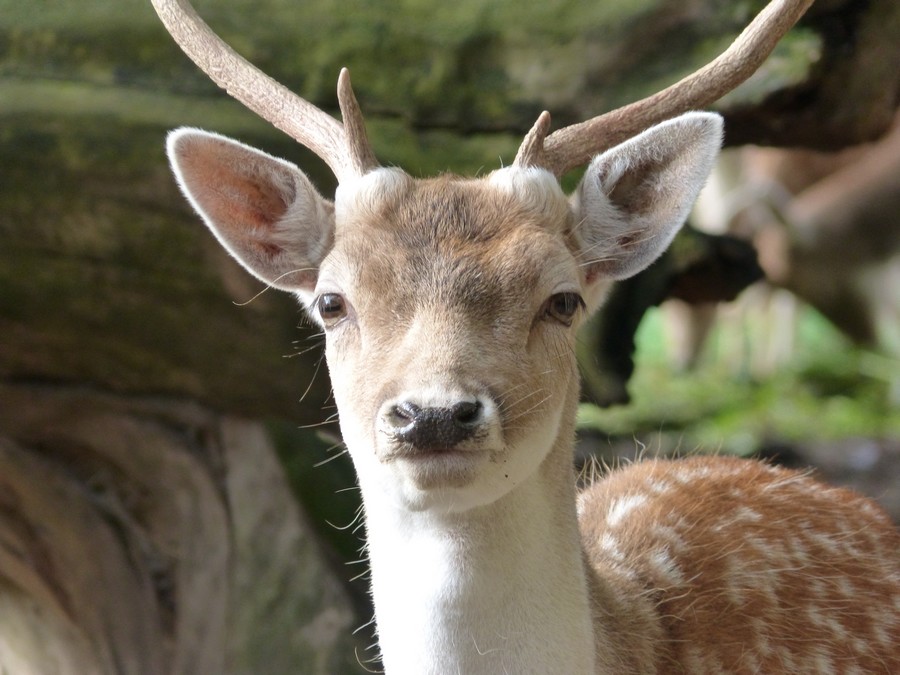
[(450, 305)]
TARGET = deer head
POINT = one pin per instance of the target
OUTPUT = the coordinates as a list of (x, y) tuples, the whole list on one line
[(424, 286), (396, 269)]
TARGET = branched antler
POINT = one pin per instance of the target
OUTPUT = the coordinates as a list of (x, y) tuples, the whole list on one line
[(345, 148), (575, 145)]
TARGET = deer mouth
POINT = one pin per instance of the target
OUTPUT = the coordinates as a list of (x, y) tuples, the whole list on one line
[(436, 453), (436, 467)]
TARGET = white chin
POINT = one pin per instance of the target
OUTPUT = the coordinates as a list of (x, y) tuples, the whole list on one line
[(452, 484)]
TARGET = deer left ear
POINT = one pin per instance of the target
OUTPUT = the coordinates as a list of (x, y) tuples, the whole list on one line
[(634, 198)]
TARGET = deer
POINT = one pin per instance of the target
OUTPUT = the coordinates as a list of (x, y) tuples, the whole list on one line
[(450, 307)]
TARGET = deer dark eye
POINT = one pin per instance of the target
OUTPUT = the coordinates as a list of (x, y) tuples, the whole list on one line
[(563, 306), (331, 308)]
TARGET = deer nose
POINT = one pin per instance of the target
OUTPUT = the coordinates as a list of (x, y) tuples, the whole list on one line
[(434, 428)]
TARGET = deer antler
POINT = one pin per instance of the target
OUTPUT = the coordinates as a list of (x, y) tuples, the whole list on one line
[(345, 148), (575, 145)]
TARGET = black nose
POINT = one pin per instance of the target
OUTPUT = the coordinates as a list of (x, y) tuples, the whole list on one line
[(434, 428)]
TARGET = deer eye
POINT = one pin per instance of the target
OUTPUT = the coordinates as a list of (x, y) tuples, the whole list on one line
[(563, 306), (331, 308)]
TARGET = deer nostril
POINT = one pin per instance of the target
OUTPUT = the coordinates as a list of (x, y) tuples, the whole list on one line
[(467, 412), (403, 414)]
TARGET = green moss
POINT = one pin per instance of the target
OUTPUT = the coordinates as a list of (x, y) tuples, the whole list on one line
[(105, 275), (432, 64)]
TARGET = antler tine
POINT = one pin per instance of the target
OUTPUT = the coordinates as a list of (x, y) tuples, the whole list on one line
[(346, 151), (358, 148), (531, 152), (575, 145)]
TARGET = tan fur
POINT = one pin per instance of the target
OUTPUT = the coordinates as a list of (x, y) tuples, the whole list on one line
[(746, 568)]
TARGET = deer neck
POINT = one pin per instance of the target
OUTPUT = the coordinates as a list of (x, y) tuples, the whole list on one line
[(499, 588)]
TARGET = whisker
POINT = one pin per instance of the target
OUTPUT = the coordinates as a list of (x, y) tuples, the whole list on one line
[(312, 379), (329, 459), (271, 286)]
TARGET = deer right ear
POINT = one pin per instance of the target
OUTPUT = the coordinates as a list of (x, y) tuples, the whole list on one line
[(263, 210)]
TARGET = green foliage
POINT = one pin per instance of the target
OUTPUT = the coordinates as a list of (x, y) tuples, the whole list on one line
[(829, 390)]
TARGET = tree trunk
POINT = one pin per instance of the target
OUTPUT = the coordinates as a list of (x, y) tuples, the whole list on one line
[(150, 535)]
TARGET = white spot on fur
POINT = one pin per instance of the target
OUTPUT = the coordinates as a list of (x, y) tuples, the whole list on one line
[(658, 487), (672, 537), (662, 562), (693, 660), (761, 633), (751, 663), (733, 590), (861, 646), (798, 551), (787, 660), (830, 544), (879, 630), (610, 545), (622, 507), (745, 513), (772, 551), (823, 662), (815, 616)]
